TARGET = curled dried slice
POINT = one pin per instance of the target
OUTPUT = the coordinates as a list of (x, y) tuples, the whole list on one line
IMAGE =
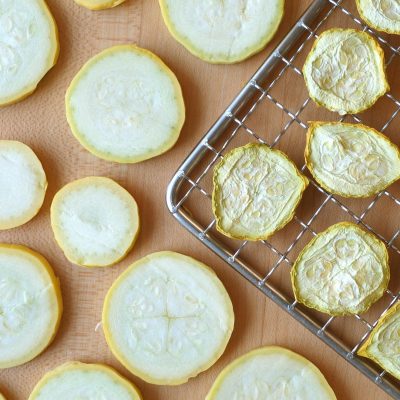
[(23, 184), (383, 344), (222, 32), (167, 318), (30, 305), (256, 191), (345, 71), (342, 271), (351, 160), (272, 373), (75, 380), (125, 105), (99, 4), (28, 47), (95, 221)]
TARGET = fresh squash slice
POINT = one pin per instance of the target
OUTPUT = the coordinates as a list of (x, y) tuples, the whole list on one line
[(167, 318), (99, 4), (271, 373), (23, 184), (76, 380), (125, 105), (30, 305), (95, 221), (28, 47)]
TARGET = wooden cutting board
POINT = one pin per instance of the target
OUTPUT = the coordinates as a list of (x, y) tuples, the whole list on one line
[(40, 122)]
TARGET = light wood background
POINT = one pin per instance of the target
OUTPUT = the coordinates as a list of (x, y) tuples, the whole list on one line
[(40, 122)]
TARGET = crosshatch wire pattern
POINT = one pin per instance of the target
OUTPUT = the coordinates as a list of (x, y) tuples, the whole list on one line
[(197, 169)]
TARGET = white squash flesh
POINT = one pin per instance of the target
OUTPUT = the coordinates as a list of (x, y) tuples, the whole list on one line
[(99, 4), (382, 15)]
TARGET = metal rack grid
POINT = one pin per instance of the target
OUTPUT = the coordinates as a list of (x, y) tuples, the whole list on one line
[(198, 166)]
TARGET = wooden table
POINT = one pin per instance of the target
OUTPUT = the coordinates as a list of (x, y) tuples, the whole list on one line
[(40, 122)]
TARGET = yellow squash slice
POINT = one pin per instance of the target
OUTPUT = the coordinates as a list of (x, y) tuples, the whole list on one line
[(95, 221), (271, 373), (383, 344), (222, 31), (351, 160), (342, 271), (2, 397), (345, 71), (99, 4), (28, 47), (125, 105), (256, 191), (75, 380), (30, 305), (23, 184), (382, 15), (167, 318)]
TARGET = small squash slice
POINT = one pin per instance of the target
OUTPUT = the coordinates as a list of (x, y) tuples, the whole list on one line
[(99, 4), (382, 15), (256, 191), (342, 271), (167, 318), (222, 32), (271, 373), (345, 71), (383, 344), (95, 221), (23, 184), (28, 47), (76, 380), (30, 305), (351, 160), (125, 105)]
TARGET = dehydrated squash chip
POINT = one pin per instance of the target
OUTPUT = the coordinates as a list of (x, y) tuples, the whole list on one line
[(382, 15), (271, 373), (342, 271), (351, 160), (256, 191), (76, 380), (167, 318), (30, 305), (23, 184), (222, 31), (99, 4), (345, 71), (125, 105), (95, 221)]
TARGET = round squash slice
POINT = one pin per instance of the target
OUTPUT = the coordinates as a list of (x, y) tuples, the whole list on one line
[(167, 318), (75, 380), (342, 271), (99, 4), (23, 184), (256, 191), (222, 31), (28, 47), (125, 105), (351, 160), (95, 221), (271, 373), (345, 71), (383, 344), (30, 305), (382, 15)]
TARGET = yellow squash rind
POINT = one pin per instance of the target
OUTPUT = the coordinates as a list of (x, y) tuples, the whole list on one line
[(96, 5)]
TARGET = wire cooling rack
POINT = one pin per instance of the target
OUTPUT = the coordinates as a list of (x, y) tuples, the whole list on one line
[(258, 115)]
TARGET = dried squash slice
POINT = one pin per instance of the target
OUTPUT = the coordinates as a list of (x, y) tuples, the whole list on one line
[(28, 47), (256, 191), (2, 397), (99, 4), (222, 31), (271, 373), (351, 160), (125, 105), (95, 221), (167, 318), (23, 184), (76, 380), (342, 271), (30, 305), (345, 71)]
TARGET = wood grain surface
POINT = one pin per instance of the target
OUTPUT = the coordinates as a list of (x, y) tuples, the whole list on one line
[(40, 122)]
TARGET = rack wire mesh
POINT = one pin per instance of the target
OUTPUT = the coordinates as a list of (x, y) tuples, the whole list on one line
[(266, 264)]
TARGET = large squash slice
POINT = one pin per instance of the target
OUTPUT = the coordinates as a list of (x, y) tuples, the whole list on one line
[(382, 15), (99, 4)]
